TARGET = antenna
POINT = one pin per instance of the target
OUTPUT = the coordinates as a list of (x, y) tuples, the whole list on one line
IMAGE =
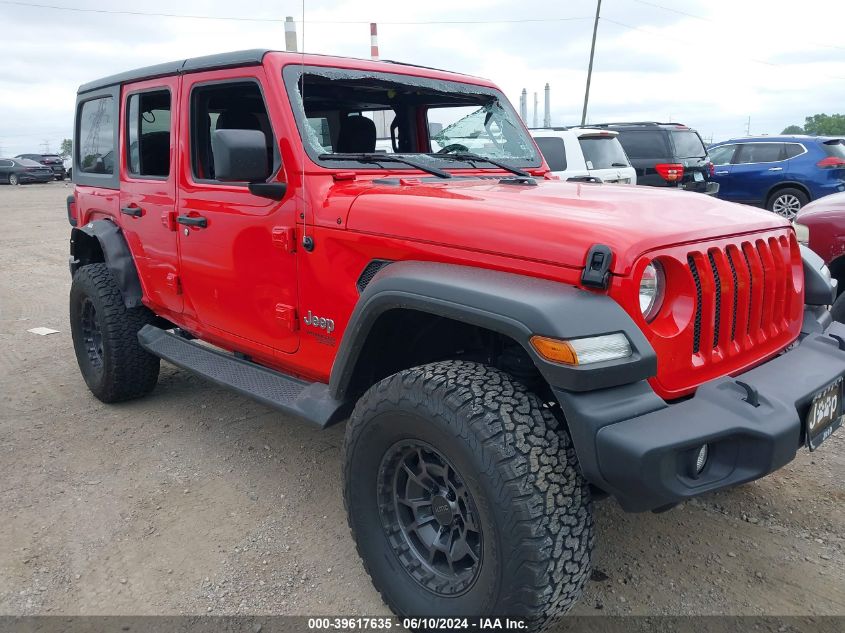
[(307, 240)]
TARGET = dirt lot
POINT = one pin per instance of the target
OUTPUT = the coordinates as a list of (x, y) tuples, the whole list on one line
[(195, 500)]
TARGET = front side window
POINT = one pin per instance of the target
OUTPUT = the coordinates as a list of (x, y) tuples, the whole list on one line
[(722, 155), (554, 150), (227, 106), (96, 136), (341, 113), (603, 152), (148, 134)]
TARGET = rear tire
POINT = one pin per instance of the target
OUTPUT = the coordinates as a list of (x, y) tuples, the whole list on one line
[(13, 179), (105, 337), (496, 492), (787, 202)]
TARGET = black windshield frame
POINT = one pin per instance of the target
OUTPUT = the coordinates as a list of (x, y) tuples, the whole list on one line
[(292, 73)]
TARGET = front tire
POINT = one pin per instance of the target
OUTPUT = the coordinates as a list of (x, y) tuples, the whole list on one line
[(105, 337), (787, 202), (464, 496)]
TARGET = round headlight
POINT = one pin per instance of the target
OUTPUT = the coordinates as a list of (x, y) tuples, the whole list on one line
[(652, 285)]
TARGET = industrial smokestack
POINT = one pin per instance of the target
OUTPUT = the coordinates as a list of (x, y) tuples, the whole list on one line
[(523, 106), (290, 35), (373, 41), (536, 123), (547, 114)]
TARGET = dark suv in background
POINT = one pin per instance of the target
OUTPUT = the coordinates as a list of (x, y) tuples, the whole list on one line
[(53, 161), (666, 155)]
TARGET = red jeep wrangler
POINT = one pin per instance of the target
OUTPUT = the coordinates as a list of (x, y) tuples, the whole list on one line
[(381, 242)]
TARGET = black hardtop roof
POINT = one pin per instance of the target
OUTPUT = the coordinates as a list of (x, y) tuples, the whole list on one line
[(252, 57), (640, 124)]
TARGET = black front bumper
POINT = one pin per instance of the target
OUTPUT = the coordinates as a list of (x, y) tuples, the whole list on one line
[(638, 448)]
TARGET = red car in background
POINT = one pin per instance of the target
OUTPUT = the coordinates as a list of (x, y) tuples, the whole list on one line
[(821, 226)]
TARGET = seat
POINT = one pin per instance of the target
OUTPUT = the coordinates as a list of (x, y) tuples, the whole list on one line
[(357, 135)]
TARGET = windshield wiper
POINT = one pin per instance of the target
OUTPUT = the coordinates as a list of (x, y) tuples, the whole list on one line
[(377, 158), (469, 157)]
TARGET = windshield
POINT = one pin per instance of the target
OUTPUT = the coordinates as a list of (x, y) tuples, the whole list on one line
[(688, 145), (349, 112), (603, 152)]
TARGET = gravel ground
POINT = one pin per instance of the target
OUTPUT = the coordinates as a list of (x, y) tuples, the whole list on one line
[(195, 500)]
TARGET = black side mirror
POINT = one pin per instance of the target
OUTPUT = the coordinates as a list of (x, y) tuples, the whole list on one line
[(240, 155)]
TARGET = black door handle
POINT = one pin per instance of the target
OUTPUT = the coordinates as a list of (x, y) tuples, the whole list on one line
[(135, 212), (189, 220)]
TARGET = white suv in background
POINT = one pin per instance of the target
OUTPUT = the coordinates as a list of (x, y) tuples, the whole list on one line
[(582, 153)]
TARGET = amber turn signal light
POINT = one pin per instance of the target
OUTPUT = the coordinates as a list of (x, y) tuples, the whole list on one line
[(554, 350)]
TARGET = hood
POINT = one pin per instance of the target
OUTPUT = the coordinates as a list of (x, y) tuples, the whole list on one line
[(554, 222), (834, 204)]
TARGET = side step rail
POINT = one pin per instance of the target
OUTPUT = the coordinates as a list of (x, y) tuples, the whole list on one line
[(310, 401)]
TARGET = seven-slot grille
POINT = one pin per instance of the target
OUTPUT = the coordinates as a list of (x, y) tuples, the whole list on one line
[(743, 294)]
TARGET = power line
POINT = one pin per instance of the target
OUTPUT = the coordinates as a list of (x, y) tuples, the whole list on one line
[(243, 19), (679, 40), (711, 20)]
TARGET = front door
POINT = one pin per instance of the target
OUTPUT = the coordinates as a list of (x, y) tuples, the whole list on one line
[(238, 265), (148, 187)]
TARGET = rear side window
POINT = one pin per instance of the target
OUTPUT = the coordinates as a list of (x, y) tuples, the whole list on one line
[(760, 153), (148, 134), (96, 136), (794, 149), (688, 144), (644, 143), (603, 152), (6, 163), (834, 148), (554, 150)]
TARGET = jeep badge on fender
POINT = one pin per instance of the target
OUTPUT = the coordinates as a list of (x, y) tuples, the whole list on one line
[(687, 306), (320, 322)]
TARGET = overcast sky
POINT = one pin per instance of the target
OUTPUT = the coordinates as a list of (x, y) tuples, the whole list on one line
[(707, 63)]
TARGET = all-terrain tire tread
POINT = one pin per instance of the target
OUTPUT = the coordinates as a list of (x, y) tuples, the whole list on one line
[(130, 371), (526, 451)]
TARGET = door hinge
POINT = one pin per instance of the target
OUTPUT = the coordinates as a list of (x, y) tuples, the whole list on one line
[(174, 283), (168, 220), (284, 237), (287, 315)]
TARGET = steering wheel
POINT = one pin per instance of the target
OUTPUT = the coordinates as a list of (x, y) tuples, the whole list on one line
[(454, 147)]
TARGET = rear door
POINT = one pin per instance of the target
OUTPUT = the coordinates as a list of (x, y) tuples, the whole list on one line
[(757, 168), (604, 157), (148, 172), (688, 150), (645, 149)]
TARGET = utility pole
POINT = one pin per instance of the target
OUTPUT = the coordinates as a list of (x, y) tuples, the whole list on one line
[(748, 126), (590, 68), (45, 145)]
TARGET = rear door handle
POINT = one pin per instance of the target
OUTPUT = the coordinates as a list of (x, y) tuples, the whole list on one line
[(192, 220), (135, 212), (775, 168)]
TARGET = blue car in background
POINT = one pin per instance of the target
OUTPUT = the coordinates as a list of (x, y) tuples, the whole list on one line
[(780, 173)]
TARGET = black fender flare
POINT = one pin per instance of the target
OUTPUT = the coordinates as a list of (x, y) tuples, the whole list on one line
[(113, 251), (513, 305)]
